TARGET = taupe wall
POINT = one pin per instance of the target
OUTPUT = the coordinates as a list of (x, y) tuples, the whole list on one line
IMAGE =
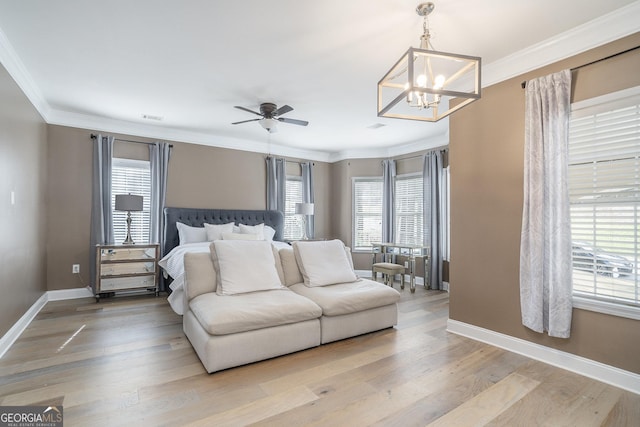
[(342, 198), (23, 165), (486, 158), (199, 177)]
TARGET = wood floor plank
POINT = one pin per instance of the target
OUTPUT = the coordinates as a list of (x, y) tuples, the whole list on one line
[(126, 361), (489, 404)]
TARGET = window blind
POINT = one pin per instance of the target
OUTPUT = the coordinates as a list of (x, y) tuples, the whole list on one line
[(367, 212), (604, 191), (408, 207), (292, 222), (131, 177)]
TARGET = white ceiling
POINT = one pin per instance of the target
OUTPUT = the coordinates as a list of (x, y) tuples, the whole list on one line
[(102, 65)]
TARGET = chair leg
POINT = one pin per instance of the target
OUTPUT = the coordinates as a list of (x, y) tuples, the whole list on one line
[(401, 280)]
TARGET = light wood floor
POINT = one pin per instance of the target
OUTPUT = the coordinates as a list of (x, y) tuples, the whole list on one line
[(125, 361)]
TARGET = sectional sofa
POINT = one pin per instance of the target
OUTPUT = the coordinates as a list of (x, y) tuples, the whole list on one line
[(247, 301)]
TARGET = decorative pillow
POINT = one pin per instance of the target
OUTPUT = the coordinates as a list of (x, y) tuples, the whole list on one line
[(253, 229), (244, 266), (323, 262), (215, 231), (238, 236), (269, 233), (188, 234)]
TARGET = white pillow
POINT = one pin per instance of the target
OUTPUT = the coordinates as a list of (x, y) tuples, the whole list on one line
[(188, 234), (253, 229), (238, 236), (269, 233), (215, 231), (323, 262), (244, 266)]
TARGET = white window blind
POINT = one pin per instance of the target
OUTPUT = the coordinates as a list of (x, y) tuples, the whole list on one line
[(408, 206), (367, 212), (131, 177), (292, 222), (604, 190)]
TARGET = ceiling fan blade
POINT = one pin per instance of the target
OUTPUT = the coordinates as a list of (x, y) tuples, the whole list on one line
[(282, 110), (246, 121), (293, 121), (247, 110)]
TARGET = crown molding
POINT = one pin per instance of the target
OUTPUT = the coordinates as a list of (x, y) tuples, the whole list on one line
[(607, 28)]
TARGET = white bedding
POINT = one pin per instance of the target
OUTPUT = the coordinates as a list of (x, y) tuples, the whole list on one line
[(173, 265)]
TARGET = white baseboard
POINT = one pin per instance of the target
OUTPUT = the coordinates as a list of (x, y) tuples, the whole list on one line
[(589, 368), (18, 328), (64, 294)]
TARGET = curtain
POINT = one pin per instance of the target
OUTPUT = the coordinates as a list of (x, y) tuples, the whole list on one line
[(101, 212), (434, 222), (307, 194), (276, 184), (388, 199), (545, 246), (159, 154)]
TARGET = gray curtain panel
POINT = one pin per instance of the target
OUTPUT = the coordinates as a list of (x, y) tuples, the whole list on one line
[(388, 200), (545, 245), (101, 213), (276, 184), (433, 226), (159, 154), (307, 194)]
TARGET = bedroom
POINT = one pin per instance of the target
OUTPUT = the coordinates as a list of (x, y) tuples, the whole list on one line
[(49, 169)]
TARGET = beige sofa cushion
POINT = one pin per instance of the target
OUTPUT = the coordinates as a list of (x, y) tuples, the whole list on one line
[(290, 268), (323, 262), (199, 274), (244, 266), (345, 298), (229, 314)]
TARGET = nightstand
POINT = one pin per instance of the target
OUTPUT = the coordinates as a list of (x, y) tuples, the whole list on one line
[(126, 268)]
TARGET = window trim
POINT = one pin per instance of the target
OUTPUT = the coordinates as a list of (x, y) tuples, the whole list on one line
[(589, 106), (404, 176), (354, 249), (121, 162)]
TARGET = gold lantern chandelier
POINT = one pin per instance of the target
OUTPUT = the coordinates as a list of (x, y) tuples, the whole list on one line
[(422, 83)]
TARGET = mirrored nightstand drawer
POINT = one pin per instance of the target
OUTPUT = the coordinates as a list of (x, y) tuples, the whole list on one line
[(121, 268)]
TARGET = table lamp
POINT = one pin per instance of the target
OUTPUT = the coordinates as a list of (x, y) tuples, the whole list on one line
[(304, 209), (129, 203)]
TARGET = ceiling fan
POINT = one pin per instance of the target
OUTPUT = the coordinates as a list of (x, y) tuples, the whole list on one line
[(270, 115)]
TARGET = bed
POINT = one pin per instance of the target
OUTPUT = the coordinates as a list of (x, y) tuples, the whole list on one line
[(172, 262)]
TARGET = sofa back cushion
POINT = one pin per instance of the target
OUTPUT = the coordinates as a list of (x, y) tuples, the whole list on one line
[(324, 262), (199, 275), (290, 268), (244, 266)]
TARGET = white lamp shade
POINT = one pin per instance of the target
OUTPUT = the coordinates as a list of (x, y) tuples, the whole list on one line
[(304, 208), (128, 202)]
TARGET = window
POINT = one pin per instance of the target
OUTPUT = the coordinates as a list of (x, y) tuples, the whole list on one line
[(367, 212), (408, 207), (131, 176), (292, 222), (604, 190)]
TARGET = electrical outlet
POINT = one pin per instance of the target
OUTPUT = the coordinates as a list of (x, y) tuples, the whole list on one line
[(75, 268)]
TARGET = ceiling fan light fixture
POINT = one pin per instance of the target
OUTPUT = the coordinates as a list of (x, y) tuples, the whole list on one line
[(269, 125), (423, 81)]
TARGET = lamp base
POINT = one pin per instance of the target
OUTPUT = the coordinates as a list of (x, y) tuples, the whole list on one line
[(128, 240)]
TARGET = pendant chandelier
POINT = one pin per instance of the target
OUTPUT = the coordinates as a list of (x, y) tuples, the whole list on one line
[(422, 83)]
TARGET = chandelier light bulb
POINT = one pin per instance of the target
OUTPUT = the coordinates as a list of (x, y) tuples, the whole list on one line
[(438, 82)]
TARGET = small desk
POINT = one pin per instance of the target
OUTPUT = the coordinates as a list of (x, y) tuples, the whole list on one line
[(410, 251)]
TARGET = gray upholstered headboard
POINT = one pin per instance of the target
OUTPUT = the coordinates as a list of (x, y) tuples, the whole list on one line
[(197, 218)]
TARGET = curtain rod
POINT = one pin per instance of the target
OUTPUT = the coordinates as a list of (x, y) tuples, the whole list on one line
[(524, 83), (94, 136), (294, 161), (443, 148)]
